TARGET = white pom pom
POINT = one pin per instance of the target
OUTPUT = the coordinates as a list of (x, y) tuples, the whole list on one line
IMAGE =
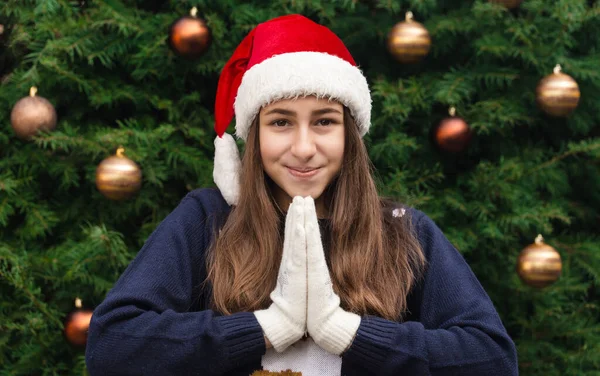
[(227, 167)]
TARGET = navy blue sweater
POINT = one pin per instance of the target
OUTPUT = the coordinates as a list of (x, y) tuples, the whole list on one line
[(155, 320)]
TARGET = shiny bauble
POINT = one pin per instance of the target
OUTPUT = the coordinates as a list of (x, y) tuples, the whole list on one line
[(539, 265), (189, 36), (76, 325), (509, 4), (408, 41), (558, 94), (32, 114), (452, 134), (118, 177)]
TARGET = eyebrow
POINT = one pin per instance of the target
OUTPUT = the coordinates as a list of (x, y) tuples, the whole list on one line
[(322, 111)]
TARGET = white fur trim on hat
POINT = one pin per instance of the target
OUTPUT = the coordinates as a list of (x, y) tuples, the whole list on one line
[(298, 74), (227, 168)]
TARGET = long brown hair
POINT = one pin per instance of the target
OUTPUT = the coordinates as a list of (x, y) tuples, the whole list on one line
[(374, 256)]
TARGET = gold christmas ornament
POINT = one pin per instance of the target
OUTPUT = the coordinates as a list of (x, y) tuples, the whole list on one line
[(409, 41), (453, 134), (510, 4), (189, 36), (32, 114), (558, 94), (539, 265), (76, 325), (118, 177)]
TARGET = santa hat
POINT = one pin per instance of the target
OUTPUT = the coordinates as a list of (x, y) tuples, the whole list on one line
[(286, 57)]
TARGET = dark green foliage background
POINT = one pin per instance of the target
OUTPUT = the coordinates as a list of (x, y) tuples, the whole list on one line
[(105, 66)]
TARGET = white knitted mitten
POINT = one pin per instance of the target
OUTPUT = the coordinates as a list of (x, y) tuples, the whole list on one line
[(328, 324), (284, 322)]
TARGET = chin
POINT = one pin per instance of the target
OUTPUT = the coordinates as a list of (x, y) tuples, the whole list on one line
[(314, 192)]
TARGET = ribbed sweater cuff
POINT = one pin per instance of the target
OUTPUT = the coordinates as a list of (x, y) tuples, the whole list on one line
[(337, 334), (372, 343), (243, 337), (280, 332)]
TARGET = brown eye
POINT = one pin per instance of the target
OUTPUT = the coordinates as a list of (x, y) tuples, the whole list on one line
[(279, 123), (327, 122)]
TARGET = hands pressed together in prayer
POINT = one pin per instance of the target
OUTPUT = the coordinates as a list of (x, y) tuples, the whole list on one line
[(303, 299)]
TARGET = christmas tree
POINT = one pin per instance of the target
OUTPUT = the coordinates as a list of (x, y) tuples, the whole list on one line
[(115, 83)]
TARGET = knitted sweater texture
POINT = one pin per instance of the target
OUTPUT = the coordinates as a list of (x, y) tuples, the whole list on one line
[(155, 320)]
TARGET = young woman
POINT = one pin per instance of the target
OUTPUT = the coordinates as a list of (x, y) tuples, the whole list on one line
[(295, 262)]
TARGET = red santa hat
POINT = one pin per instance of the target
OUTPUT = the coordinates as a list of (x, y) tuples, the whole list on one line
[(286, 57)]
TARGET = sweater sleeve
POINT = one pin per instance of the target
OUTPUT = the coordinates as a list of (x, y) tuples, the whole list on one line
[(144, 326), (459, 331)]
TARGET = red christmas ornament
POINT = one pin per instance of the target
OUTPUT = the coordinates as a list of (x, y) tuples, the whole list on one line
[(189, 36), (76, 325), (453, 134)]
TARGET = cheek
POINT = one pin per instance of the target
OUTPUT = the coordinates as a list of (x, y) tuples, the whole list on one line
[(270, 147), (263, 142), (335, 148)]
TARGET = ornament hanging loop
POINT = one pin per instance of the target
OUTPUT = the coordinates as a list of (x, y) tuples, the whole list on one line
[(33, 91), (194, 12), (409, 16), (120, 151), (452, 111), (539, 239), (557, 69)]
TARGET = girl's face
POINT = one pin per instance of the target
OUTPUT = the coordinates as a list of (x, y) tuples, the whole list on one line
[(302, 147)]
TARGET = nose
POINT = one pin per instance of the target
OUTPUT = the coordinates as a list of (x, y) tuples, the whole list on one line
[(303, 145)]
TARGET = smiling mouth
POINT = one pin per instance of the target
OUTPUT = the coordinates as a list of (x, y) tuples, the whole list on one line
[(303, 174)]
